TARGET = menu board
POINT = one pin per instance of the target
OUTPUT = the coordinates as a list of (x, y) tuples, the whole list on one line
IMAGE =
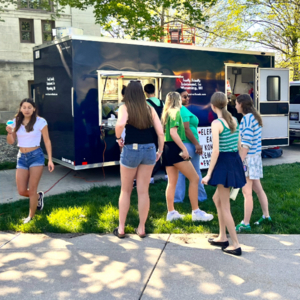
[(205, 139)]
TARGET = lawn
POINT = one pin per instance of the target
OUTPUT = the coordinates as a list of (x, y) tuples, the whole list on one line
[(2, 129), (96, 210)]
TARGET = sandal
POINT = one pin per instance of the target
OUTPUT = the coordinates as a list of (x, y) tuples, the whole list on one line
[(140, 235), (119, 235)]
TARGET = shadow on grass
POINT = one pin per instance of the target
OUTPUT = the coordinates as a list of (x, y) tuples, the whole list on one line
[(96, 210)]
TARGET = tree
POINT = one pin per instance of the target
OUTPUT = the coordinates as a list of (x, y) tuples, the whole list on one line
[(272, 24), (142, 19)]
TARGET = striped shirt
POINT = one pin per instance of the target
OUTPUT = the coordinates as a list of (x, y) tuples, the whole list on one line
[(251, 134), (228, 142)]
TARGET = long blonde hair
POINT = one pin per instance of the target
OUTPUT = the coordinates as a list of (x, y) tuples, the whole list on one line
[(219, 100), (172, 106)]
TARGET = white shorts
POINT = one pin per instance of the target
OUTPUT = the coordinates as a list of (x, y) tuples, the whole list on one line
[(253, 167)]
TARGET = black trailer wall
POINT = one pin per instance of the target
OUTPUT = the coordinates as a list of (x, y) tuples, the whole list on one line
[(53, 83)]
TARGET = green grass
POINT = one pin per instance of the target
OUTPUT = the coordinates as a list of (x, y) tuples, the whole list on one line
[(7, 165), (2, 129), (96, 210)]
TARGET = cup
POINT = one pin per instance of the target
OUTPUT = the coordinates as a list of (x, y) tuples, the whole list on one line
[(11, 124)]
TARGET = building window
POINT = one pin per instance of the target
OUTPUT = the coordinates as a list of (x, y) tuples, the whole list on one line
[(26, 31), (47, 27), (36, 4)]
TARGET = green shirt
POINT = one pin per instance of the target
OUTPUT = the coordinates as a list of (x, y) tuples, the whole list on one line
[(155, 100), (228, 142), (177, 122), (187, 116)]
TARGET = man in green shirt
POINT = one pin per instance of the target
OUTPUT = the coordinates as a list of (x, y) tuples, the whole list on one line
[(158, 105)]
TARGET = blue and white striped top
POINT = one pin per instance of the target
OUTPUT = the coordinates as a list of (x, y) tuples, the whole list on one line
[(251, 134)]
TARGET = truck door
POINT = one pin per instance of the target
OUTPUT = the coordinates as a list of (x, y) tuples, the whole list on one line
[(294, 111), (273, 105)]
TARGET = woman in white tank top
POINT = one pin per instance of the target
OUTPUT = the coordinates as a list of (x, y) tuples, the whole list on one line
[(28, 128)]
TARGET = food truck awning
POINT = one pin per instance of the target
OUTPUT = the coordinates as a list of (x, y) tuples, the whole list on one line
[(130, 74)]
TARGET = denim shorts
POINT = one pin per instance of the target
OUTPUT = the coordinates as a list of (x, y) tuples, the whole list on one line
[(134, 155), (34, 158)]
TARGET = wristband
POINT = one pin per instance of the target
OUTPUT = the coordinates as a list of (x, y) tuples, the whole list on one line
[(158, 151), (118, 138)]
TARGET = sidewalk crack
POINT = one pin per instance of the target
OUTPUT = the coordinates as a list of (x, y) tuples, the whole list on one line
[(154, 267), (10, 240)]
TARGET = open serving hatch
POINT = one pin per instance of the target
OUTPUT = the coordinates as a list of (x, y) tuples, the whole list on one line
[(110, 84)]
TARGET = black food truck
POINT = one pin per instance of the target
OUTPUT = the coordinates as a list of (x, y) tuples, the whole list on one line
[(78, 82)]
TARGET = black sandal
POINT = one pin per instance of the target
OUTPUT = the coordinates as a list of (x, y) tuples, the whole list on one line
[(140, 235), (119, 235), (236, 252)]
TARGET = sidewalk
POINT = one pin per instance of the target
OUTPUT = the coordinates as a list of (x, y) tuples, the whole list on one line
[(161, 266)]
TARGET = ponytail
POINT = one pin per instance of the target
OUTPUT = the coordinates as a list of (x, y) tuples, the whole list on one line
[(229, 119), (219, 100)]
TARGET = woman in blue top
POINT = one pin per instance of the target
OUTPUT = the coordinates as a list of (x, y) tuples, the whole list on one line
[(251, 156), (225, 171)]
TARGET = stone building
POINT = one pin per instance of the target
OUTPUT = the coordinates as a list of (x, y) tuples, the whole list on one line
[(23, 28)]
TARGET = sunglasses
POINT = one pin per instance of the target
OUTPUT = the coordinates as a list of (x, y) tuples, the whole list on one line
[(185, 97)]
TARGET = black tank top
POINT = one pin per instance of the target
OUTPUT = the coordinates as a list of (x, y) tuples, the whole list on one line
[(158, 109), (140, 136)]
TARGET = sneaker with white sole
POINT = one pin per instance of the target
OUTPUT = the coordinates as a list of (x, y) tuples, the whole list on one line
[(174, 215), (201, 215), (27, 220), (40, 204)]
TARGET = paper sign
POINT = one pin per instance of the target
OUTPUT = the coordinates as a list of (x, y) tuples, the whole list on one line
[(205, 138)]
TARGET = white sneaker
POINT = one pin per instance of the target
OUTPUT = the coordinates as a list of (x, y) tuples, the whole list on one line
[(201, 215), (174, 215), (27, 220)]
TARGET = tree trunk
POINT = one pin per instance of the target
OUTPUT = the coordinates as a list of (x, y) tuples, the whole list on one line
[(162, 23), (295, 62)]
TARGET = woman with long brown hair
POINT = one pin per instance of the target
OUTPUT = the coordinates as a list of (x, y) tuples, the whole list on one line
[(250, 153), (138, 157), (28, 127), (225, 171)]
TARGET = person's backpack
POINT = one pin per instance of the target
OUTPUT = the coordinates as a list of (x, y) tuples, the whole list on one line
[(158, 109)]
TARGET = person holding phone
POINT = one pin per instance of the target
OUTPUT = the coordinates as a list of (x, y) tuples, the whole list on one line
[(190, 122), (28, 127), (176, 158)]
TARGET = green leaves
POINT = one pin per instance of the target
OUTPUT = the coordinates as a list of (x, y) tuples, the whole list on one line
[(142, 19)]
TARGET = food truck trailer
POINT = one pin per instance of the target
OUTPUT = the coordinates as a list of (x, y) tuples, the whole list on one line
[(78, 82)]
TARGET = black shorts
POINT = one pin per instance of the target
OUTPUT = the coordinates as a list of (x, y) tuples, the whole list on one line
[(171, 155)]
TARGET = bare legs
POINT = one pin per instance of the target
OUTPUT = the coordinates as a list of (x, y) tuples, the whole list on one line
[(256, 186), (187, 169), (143, 175), (222, 202), (248, 200), (27, 184), (172, 173)]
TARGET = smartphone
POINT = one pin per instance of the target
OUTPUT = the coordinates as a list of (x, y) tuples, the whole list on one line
[(187, 158)]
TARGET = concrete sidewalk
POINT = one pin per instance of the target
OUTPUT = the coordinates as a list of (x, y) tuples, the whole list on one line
[(85, 179), (159, 267)]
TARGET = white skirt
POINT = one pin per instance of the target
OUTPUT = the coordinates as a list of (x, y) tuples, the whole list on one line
[(253, 166)]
